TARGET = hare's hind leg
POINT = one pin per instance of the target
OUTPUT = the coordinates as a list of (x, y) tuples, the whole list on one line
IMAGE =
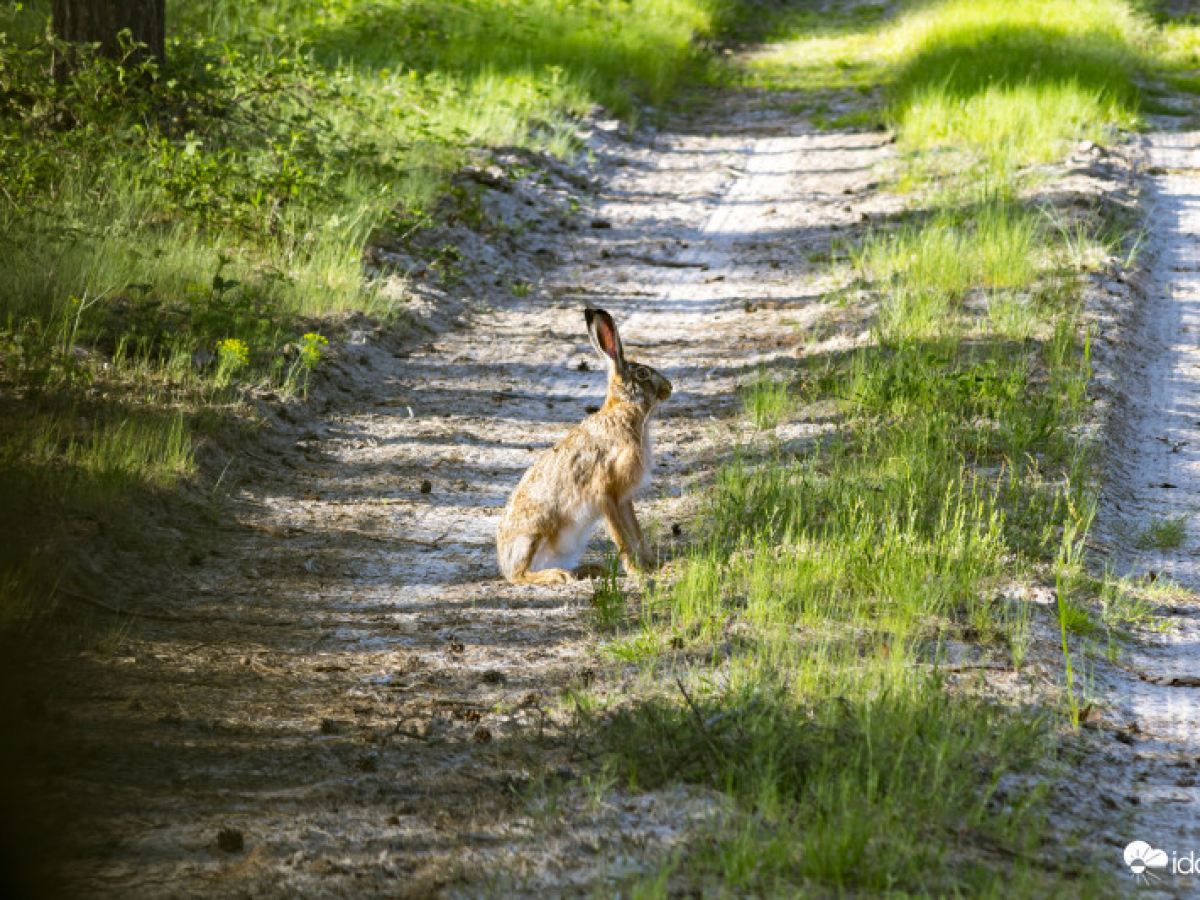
[(516, 556)]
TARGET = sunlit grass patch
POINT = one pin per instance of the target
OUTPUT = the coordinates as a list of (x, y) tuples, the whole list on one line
[(1177, 53), (1009, 83), (925, 269), (1130, 603), (823, 592), (307, 125), (1013, 125), (1015, 81), (604, 51), (825, 58)]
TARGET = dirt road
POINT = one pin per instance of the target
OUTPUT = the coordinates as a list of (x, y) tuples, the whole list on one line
[(338, 696)]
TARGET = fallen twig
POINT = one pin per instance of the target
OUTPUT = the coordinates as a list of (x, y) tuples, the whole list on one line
[(658, 261), (436, 542), (163, 617), (116, 610), (718, 755)]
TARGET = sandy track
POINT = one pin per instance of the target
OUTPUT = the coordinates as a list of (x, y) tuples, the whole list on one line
[(1154, 476), (350, 687)]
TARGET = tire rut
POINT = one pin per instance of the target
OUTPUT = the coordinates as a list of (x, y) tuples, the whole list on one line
[(1154, 478)]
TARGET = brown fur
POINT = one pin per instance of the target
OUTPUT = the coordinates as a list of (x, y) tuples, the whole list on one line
[(593, 471)]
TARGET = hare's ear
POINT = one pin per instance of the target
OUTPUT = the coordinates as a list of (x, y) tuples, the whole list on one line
[(603, 332)]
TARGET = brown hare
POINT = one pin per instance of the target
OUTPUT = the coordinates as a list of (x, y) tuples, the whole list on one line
[(594, 471)]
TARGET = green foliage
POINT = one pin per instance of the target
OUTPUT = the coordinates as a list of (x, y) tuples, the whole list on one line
[(608, 598), (1015, 82), (822, 593), (830, 789), (279, 137), (232, 355), (312, 347), (1177, 52), (986, 242), (610, 52), (987, 86)]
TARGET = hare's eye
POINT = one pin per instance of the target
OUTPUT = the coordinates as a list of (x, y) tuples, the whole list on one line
[(641, 373)]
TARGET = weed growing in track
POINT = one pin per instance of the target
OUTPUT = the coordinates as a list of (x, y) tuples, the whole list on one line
[(1163, 534)]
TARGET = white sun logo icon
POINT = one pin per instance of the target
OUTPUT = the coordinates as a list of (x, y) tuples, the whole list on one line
[(1141, 857)]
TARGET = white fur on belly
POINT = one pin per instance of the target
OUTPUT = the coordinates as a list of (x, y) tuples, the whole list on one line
[(566, 552)]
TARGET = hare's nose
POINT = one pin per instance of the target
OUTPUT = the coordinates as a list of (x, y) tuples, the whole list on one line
[(665, 391)]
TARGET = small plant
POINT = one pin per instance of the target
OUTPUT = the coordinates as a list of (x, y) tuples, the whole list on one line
[(312, 347), (1076, 617), (232, 354), (767, 400), (608, 599), (308, 356), (1162, 534), (633, 648), (1122, 606), (1072, 617)]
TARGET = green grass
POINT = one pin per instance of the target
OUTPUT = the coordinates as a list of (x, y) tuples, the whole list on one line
[(1015, 83), (280, 138), (822, 595), (834, 790), (293, 130), (986, 244), (1177, 54)]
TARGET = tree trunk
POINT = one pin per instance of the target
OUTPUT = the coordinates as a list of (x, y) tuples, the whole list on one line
[(100, 21)]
